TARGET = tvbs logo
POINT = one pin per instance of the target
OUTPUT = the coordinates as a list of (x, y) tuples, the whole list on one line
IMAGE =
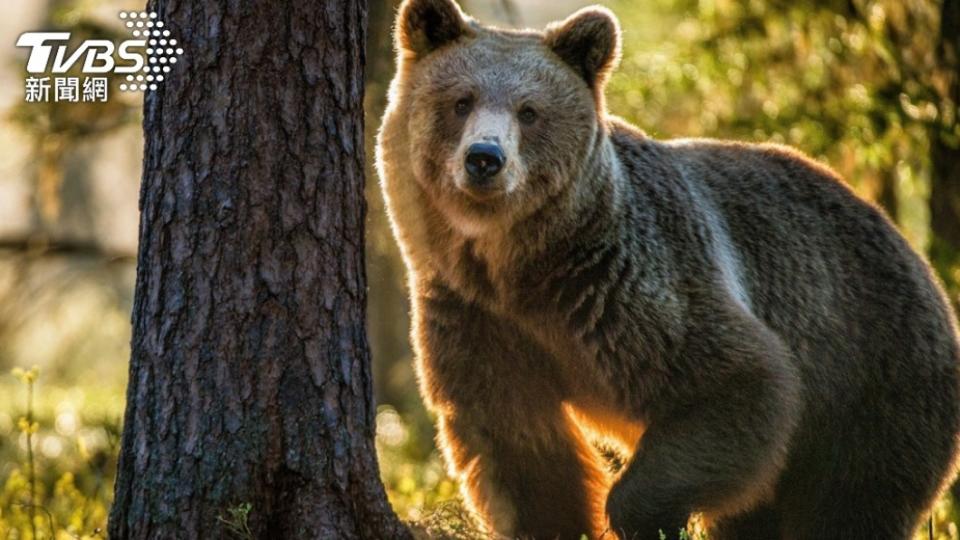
[(144, 60)]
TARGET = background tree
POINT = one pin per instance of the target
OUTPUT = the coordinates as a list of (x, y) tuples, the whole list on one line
[(250, 373), (945, 156), (850, 82)]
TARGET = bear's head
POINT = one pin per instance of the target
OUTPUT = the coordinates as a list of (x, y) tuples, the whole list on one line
[(497, 121)]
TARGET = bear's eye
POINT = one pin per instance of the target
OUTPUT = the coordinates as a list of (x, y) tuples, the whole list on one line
[(462, 107), (527, 115)]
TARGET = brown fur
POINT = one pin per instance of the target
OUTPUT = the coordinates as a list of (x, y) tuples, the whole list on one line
[(764, 345)]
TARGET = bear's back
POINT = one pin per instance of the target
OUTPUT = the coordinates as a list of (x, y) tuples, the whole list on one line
[(824, 269)]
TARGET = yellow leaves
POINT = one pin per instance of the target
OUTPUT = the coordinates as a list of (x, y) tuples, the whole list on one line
[(16, 483), (416, 486), (921, 110), (877, 17), (446, 489), (858, 96), (83, 450), (26, 426), (407, 485), (770, 108), (65, 486), (26, 376), (64, 511), (65, 491)]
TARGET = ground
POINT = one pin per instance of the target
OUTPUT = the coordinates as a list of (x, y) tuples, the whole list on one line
[(75, 432)]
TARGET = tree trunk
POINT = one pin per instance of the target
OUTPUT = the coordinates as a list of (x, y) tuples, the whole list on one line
[(945, 157), (250, 372), (887, 195)]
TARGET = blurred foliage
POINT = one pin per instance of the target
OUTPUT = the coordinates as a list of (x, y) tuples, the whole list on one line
[(55, 126), (416, 484), (852, 83), (67, 437), (58, 459)]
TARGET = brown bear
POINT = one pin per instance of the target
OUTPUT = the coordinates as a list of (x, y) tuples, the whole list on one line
[(764, 346)]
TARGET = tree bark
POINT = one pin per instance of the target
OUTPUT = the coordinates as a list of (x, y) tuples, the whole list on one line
[(945, 156), (250, 371)]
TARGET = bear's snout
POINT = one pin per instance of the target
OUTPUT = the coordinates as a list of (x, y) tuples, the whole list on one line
[(484, 161)]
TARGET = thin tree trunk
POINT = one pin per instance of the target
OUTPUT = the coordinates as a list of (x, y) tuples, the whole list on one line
[(389, 330), (945, 157), (887, 194), (250, 371)]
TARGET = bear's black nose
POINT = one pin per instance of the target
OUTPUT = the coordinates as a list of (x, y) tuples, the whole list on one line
[(484, 161)]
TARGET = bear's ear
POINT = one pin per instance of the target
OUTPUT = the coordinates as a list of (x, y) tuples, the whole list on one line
[(425, 25), (589, 41)]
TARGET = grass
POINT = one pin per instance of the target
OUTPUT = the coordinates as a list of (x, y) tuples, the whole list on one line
[(57, 459), (58, 451), (59, 443)]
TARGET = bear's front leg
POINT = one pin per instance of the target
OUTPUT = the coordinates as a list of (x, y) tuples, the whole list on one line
[(538, 481), (524, 466), (717, 440)]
